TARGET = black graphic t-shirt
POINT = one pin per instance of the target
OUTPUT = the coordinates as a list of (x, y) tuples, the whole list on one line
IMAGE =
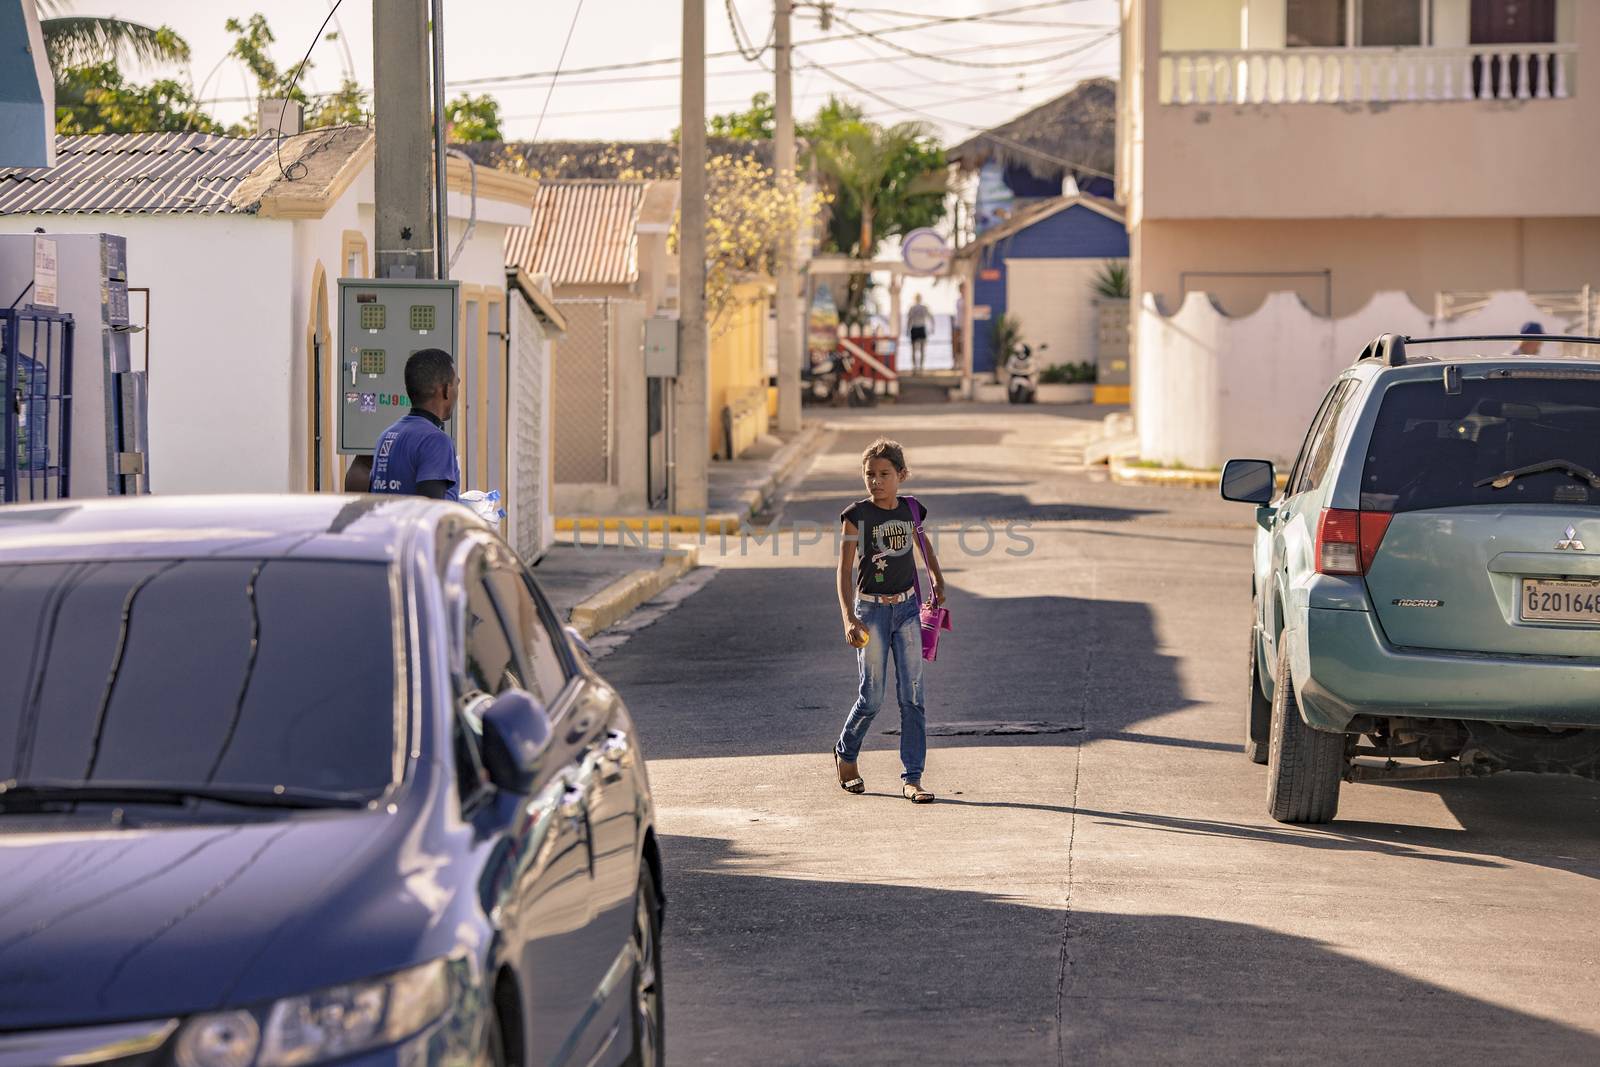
[(885, 563)]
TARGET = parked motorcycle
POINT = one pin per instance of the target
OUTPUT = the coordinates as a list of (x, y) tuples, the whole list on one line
[(1023, 383), (838, 378)]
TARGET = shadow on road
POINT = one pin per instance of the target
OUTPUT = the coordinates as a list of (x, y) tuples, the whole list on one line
[(793, 678), (803, 971)]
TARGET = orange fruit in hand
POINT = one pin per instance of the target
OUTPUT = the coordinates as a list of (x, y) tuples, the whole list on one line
[(859, 636)]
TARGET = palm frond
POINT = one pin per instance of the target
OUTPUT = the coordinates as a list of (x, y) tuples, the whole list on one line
[(76, 40)]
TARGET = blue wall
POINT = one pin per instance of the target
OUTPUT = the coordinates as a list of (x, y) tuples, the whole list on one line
[(1077, 233)]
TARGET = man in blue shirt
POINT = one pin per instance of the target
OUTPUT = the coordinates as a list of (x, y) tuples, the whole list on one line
[(415, 456)]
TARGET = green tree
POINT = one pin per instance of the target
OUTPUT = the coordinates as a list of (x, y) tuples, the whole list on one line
[(96, 99), (474, 118), (252, 38), (346, 106), (756, 123)]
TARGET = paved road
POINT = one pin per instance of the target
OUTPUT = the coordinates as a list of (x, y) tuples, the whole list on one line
[(1113, 893)]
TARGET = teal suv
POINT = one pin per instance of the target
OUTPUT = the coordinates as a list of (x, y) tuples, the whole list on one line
[(1427, 580)]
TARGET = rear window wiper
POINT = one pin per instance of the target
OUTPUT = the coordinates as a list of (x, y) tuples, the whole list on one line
[(1577, 470), (31, 795)]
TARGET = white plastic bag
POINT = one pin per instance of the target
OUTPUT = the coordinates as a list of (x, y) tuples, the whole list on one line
[(487, 505)]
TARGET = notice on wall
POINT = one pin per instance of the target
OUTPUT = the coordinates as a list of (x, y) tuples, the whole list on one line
[(980, 312), (44, 272)]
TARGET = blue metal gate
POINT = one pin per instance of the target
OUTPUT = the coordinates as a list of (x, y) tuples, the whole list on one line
[(36, 356)]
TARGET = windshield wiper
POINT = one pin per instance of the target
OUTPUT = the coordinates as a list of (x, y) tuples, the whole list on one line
[(15, 795), (1577, 470)]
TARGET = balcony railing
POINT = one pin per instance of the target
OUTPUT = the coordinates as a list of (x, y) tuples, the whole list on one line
[(1361, 75)]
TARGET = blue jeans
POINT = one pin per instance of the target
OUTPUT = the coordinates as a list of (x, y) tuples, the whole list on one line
[(895, 632)]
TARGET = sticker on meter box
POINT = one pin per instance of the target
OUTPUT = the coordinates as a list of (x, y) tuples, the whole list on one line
[(352, 398), (369, 402)]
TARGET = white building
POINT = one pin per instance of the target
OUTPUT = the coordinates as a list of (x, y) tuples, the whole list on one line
[(234, 248)]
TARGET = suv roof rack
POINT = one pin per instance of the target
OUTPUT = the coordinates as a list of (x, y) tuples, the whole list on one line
[(1390, 348)]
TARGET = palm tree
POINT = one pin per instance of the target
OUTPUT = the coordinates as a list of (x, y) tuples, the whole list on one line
[(861, 157), (77, 40)]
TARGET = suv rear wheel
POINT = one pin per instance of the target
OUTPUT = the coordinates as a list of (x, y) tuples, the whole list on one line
[(1304, 766)]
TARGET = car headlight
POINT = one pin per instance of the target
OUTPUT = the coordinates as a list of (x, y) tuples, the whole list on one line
[(328, 1024)]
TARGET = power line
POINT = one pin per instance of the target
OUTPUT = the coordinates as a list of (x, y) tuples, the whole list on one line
[(973, 63), (277, 146), (741, 35), (559, 61), (608, 68), (741, 72), (984, 130)]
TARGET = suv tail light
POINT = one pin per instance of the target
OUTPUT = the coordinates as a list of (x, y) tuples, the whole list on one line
[(1347, 541)]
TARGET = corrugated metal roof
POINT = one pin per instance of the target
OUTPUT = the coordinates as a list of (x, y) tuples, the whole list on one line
[(581, 233), (136, 173)]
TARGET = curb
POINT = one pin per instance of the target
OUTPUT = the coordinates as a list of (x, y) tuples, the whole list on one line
[(1181, 479), (618, 600), (1165, 476), (786, 461)]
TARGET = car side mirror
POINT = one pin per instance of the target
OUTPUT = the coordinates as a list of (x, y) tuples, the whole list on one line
[(1249, 481), (516, 733), (577, 639)]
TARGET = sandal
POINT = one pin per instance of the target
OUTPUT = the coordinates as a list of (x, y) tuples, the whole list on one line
[(916, 794), (849, 780)]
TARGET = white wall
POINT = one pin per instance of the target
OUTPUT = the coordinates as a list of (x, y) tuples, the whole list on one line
[(530, 526), (1200, 24), (1209, 387), (219, 334)]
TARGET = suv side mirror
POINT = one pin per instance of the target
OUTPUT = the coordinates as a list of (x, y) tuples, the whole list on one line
[(516, 733), (577, 640), (1249, 481)]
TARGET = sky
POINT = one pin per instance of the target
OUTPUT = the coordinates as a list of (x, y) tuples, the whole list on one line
[(495, 45)]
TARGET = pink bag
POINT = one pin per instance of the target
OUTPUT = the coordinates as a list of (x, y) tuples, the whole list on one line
[(933, 619)]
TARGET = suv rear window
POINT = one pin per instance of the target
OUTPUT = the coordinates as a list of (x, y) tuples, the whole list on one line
[(1430, 449), (226, 672)]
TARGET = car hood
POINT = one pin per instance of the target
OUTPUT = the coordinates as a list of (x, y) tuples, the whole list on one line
[(146, 922)]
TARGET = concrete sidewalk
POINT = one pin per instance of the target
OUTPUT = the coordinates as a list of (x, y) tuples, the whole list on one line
[(601, 570), (736, 489)]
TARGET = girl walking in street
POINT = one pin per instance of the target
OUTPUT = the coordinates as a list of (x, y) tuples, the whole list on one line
[(878, 602)]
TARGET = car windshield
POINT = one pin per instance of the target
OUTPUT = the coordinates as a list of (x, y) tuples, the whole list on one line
[(237, 673), (1432, 449)]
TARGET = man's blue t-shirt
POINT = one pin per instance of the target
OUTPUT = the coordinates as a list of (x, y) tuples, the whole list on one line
[(415, 449)]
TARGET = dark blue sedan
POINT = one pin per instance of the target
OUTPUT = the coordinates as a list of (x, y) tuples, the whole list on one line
[(295, 780)]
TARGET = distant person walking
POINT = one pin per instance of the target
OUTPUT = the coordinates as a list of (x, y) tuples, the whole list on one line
[(415, 456), (1532, 337), (919, 319), (878, 601)]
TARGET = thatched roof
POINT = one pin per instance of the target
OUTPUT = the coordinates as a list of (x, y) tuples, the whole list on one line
[(1079, 126), (571, 160)]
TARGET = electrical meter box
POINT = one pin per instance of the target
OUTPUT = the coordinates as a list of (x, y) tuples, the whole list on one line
[(382, 321)]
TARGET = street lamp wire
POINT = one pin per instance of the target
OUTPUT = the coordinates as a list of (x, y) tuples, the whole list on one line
[(559, 62), (277, 147)]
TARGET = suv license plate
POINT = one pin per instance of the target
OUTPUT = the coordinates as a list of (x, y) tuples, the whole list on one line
[(1556, 600)]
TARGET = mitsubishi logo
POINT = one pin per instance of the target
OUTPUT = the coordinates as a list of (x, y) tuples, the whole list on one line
[(1570, 542)]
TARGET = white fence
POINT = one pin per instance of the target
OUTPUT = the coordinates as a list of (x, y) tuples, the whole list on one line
[(1360, 75), (1210, 387)]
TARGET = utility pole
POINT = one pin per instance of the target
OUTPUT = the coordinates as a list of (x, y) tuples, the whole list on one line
[(403, 215), (790, 339), (692, 391)]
